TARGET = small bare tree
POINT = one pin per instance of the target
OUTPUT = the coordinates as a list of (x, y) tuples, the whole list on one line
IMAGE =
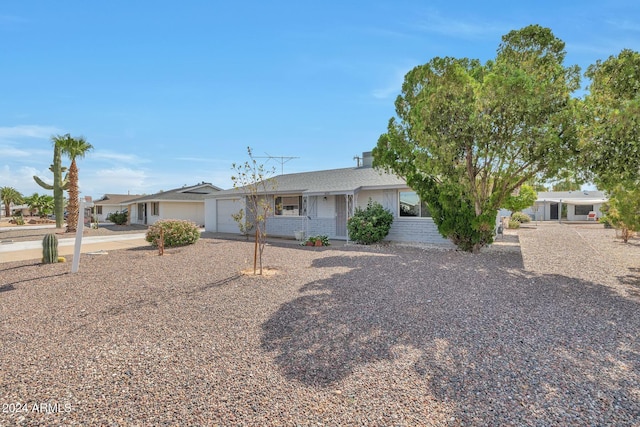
[(256, 184)]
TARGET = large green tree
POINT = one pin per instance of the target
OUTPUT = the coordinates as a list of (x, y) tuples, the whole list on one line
[(611, 138), (10, 196), (520, 199), (468, 134), (74, 148), (611, 144)]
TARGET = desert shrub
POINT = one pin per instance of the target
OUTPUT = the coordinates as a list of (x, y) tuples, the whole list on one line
[(118, 218), (176, 233), (606, 221), (514, 224), (520, 217), (370, 225)]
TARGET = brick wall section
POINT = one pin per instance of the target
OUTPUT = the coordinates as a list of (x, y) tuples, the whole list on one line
[(322, 226), (284, 226), (422, 230)]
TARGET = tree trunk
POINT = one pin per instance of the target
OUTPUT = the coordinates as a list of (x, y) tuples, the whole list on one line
[(73, 206)]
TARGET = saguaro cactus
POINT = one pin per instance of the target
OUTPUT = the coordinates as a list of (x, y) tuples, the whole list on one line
[(59, 184), (50, 249)]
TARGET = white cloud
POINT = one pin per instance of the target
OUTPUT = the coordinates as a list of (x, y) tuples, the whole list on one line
[(625, 25), (8, 151), (435, 23), (393, 87), (22, 179), (117, 157), (28, 131), (196, 159), (118, 179)]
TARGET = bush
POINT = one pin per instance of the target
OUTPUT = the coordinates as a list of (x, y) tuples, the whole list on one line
[(118, 218), (606, 221), (370, 225), (520, 217), (514, 224), (176, 233)]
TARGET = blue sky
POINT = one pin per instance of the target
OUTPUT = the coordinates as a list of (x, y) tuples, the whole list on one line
[(171, 93)]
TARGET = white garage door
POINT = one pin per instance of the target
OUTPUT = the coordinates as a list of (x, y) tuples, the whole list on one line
[(226, 224)]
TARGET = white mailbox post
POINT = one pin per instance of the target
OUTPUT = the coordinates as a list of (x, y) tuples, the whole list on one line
[(86, 203)]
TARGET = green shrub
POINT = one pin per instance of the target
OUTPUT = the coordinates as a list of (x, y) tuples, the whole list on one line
[(514, 224), (520, 217), (118, 218), (606, 221), (176, 233), (370, 225)]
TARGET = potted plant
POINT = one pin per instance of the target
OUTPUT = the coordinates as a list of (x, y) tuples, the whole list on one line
[(324, 240), (311, 241)]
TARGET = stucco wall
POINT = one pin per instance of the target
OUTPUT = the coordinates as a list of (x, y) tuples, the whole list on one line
[(192, 211)]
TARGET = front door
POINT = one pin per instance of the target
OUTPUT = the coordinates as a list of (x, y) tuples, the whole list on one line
[(142, 213), (553, 211), (341, 216)]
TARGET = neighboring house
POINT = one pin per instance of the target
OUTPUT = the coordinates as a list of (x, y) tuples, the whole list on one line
[(16, 210), (320, 203), (111, 203), (548, 206), (186, 203), (21, 210)]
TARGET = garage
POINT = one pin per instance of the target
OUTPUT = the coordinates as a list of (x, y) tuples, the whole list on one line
[(224, 221)]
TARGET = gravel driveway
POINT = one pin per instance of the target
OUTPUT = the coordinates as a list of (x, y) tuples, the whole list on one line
[(362, 336)]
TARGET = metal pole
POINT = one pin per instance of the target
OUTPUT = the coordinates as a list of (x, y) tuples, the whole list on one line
[(79, 229)]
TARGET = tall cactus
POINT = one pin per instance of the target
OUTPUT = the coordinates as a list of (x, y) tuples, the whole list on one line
[(59, 184), (50, 249)]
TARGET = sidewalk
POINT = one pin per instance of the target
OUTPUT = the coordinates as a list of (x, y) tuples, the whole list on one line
[(23, 251)]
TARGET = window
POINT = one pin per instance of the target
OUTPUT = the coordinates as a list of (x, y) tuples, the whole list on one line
[(412, 206), (583, 209), (288, 205), (99, 210), (155, 208)]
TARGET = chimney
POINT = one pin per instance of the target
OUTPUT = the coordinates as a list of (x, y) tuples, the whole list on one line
[(367, 159)]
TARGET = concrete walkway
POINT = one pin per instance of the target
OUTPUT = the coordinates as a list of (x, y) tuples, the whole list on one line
[(24, 251)]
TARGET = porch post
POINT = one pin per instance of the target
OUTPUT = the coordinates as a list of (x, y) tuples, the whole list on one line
[(560, 212)]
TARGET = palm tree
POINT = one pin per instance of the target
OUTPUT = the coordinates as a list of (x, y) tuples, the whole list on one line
[(9, 196), (43, 204), (73, 148), (33, 201), (46, 205)]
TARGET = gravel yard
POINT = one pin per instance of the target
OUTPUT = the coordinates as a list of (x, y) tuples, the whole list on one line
[(362, 336)]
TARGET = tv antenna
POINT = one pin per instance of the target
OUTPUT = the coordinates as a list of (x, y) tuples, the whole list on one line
[(282, 159)]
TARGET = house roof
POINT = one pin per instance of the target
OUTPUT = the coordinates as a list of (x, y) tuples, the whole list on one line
[(333, 181), (193, 193), (573, 197), (116, 199)]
